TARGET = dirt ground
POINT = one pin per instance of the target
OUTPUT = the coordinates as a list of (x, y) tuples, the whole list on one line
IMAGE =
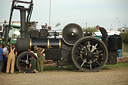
[(106, 76)]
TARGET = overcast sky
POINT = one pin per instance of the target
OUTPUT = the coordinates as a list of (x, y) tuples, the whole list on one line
[(92, 12)]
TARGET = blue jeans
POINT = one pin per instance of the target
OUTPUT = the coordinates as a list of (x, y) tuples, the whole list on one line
[(29, 71), (1, 65)]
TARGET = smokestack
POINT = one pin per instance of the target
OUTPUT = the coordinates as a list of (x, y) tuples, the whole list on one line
[(23, 22)]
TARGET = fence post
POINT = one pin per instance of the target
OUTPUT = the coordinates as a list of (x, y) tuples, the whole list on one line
[(123, 50)]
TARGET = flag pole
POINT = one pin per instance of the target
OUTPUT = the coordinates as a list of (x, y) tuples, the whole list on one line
[(50, 13)]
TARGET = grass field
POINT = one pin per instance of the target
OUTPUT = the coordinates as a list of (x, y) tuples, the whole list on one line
[(116, 65), (71, 67)]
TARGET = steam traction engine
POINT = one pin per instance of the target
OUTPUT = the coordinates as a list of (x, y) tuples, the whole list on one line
[(87, 53)]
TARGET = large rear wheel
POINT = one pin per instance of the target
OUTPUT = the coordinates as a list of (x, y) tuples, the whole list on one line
[(89, 54)]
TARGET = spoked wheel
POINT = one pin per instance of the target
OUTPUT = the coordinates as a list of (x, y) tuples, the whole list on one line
[(89, 54), (23, 61)]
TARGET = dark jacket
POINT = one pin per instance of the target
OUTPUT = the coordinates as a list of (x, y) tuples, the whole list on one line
[(104, 33)]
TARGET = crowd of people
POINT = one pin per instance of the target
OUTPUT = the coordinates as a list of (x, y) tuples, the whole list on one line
[(8, 56)]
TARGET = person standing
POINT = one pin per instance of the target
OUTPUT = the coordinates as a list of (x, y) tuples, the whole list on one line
[(40, 59), (5, 57), (12, 53), (1, 57), (103, 32)]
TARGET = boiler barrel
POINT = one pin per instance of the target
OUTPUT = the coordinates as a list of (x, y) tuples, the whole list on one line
[(38, 42), (23, 44), (46, 43), (114, 42)]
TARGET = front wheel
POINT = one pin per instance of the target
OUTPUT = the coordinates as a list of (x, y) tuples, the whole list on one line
[(89, 54), (23, 61)]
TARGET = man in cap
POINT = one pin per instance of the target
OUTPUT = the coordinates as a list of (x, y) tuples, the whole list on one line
[(40, 59), (12, 53), (103, 32)]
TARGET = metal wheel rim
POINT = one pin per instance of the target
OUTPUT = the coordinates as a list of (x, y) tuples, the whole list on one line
[(23, 61), (84, 49)]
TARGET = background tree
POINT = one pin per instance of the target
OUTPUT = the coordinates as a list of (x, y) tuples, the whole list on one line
[(90, 29), (125, 37)]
